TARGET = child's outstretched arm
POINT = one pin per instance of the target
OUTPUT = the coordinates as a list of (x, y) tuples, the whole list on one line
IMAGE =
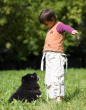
[(74, 32), (63, 27)]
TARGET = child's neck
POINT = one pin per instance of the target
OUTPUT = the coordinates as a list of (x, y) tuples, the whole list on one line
[(54, 24)]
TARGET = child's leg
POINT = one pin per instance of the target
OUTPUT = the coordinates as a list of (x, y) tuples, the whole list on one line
[(55, 90), (54, 78)]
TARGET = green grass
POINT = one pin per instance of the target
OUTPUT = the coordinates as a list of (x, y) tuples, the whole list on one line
[(75, 91)]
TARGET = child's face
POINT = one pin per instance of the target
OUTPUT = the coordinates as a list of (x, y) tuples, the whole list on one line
[(49, 24)]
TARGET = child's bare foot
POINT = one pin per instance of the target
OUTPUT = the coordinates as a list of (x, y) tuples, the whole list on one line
[(59, 98)]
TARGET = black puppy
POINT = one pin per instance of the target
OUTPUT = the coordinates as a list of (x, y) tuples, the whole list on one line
[(29, 89)]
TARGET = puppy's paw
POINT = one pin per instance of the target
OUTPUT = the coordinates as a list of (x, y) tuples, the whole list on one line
[(38, 96)]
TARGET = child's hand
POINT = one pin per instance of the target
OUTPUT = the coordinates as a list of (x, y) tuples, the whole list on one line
[(74, 32)]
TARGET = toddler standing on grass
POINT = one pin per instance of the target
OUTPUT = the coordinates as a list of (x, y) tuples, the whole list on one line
[(53, 52)]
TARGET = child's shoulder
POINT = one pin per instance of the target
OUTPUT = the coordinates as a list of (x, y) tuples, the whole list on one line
[(59, 22)]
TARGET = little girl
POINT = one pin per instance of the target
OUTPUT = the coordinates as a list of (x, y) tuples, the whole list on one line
[(53, 52)]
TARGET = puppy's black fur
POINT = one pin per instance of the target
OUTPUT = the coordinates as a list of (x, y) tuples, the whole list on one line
[(29, 89)]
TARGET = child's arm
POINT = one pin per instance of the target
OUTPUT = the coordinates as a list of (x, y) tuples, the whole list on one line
[(63, 27)]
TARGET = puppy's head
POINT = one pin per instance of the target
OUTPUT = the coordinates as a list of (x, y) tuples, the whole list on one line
[(30, 78)]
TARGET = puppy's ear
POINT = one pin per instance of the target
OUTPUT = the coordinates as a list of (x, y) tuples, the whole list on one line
[(25, 77), (35, 73)]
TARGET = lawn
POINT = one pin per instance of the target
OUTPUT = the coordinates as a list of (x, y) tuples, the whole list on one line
[(75, 91)]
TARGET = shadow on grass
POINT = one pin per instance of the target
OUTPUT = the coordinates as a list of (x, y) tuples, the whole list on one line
[(71, 96)]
